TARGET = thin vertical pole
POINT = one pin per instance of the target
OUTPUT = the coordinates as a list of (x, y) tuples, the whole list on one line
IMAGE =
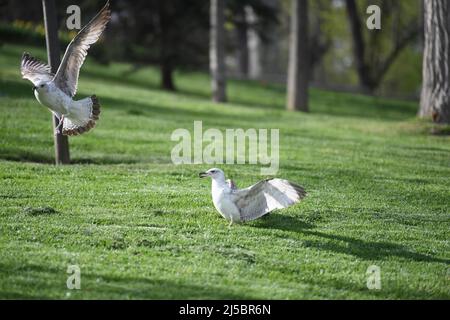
[(61, 142)]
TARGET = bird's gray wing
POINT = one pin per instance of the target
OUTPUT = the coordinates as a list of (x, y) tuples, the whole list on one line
[(34, 70), (66, 77), (266, 196)]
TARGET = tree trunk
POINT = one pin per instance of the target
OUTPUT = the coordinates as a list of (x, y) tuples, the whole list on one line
[(165, 59), (217, 51), (298, 73), (359, 48), (62, 155), (166, 69), (319, 45), (435, 97), (242, 41)]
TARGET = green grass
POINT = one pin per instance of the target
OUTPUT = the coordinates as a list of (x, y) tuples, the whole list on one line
[(140, 227)]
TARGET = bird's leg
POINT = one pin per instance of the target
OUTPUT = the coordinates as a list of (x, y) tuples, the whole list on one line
[(231, 223), (60, 123)]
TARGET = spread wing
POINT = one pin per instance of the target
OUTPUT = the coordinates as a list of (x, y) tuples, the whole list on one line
[(67, 75), (34, 70), (266, 196)]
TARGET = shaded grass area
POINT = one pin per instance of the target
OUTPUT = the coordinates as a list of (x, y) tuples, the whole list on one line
[(140, 227)]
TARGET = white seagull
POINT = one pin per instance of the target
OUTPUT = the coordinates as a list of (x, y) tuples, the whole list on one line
[(56, 92), (241, 205)]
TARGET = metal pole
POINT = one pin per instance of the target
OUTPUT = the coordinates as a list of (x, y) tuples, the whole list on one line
[(62, 155)]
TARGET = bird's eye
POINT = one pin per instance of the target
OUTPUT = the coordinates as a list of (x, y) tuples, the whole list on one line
[(214, 171)]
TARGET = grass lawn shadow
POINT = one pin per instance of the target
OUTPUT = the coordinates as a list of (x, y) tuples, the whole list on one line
[(363, 249), (105, 286), (22, 155), (282, 222)]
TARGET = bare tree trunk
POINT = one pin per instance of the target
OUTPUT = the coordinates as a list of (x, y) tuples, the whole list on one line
[(319, 45), (61, 142), (435, 97), (167, 75), (242, 41), (255, 48), (217, 51), (359, 48), (165, 59), (428, 81), (298, 73)]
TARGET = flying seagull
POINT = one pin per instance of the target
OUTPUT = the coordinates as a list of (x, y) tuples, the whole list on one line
[(241, 205), (56, 91)]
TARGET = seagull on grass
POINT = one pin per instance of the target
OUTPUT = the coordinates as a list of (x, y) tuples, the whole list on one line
[(56, 91), (241, 205)]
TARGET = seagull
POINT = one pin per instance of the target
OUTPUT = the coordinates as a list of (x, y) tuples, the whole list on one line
[(56, 91), (241, 205)]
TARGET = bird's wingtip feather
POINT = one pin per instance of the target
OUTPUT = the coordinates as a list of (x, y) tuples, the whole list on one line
[(25, 56)]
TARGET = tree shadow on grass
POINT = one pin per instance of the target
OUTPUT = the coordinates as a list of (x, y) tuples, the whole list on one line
[(22, 155), (178, 115), (349, 105), (389, 290), (281, 222), (146, 288), (101, 286), (22, 90), (200, 93), (367, 250), (135, 288), (323, 102), (19, 155)]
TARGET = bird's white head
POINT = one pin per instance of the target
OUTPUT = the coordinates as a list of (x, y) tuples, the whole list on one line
[(41, 87), (214, 173)]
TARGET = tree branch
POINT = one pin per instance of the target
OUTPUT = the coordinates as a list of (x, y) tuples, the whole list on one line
[(410, 35)]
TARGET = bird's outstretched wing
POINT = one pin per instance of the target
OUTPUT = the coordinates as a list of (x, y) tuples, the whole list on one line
[(266, 196), (34, 70), (66, 77)]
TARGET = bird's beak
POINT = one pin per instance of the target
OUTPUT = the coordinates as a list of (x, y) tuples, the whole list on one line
[(34, 88), (203, 174)]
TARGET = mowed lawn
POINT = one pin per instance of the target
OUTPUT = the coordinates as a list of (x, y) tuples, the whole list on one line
[(140, 227)]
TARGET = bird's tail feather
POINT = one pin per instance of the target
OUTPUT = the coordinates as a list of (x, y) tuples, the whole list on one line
[(84, 117), (95, 107)]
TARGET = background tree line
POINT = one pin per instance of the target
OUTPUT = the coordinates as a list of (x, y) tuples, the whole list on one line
[(324, 43)]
